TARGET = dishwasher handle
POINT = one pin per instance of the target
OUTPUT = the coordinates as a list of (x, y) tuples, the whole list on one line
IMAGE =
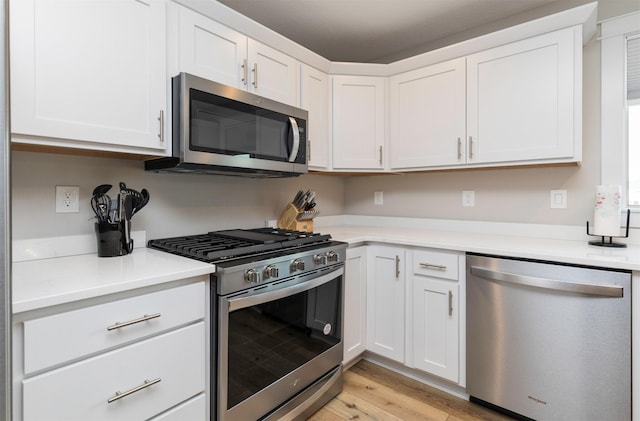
[(512, 278)]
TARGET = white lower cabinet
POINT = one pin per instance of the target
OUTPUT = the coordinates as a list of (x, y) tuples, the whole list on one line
[(134, 382), (435, 333), (355, 300), (140, 356), (193, 410), (385, 301), (417, 320)]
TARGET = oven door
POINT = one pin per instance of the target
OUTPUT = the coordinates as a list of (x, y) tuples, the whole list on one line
[(275, 340)]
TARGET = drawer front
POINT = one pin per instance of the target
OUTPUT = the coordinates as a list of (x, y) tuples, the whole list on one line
[(63, 337), (193, 410), (81, 391), (436, 264)]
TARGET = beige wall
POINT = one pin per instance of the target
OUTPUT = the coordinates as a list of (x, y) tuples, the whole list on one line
[(180, 204)]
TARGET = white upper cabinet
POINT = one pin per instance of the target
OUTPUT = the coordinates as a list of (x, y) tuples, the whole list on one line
[(314, 97), (89, 75), (524, 100), (427, 110), (208, 49), (519, 103), (358, 122), (273, 74)]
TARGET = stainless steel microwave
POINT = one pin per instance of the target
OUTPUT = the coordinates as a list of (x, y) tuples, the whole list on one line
[(218, 129)]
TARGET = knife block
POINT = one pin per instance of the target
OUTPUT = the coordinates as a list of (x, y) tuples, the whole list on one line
[(289, 220)]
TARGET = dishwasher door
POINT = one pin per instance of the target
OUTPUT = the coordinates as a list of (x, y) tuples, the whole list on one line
[(549, 341)]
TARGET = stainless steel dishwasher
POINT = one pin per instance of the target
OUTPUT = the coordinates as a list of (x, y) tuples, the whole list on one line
[(549, 341)]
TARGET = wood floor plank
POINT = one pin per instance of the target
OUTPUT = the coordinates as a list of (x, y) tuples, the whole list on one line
[(401, 405), (374, 393), (351, 407), (453, 405)]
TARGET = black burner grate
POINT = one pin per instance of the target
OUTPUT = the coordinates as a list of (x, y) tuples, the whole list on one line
[(220, 245)]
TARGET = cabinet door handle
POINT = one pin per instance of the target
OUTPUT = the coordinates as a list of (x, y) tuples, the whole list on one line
[(380, 155), (397, 266), (244, 72), (144, 318), (433, 266), (309, 151), (255, 75), (450, 303), (459, 149), (470, 147), (147, 383), (161, 120)]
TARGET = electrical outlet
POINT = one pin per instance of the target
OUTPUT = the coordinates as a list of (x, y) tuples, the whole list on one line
[(378, 198), (468, 198), (67, 199)]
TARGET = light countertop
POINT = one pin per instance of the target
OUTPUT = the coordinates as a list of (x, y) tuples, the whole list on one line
[(556, 250), (47, 282), (59, 280)]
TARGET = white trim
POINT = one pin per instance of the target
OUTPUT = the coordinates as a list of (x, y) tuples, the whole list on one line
[(613, 125)]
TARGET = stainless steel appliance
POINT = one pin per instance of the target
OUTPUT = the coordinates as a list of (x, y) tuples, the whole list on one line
[(549, 341), (219, 129), (277, 299)]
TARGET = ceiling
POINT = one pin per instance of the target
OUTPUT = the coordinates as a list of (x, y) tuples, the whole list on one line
[(382, 31)]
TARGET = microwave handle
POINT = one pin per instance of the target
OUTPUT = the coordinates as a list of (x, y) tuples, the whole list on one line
[(296, 139)]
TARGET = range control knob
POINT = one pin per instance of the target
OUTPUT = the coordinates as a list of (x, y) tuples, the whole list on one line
[(252, 276), (332, 257), (297, 265), (320, 259), (270, 271)]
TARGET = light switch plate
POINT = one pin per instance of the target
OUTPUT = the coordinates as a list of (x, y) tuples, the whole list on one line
[(558, 199), (468, 198), (378, 198)]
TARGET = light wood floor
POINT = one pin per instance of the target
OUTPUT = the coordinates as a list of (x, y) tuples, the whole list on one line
[(374, 393)]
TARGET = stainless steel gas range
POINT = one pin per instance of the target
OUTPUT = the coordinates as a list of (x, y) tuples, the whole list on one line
[(276, 299)]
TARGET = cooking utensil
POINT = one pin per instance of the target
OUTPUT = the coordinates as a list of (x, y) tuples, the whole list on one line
[(101, 189), (126, 223), (143, 202)]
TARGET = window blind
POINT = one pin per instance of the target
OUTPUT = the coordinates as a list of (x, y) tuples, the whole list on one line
[(633, 68)]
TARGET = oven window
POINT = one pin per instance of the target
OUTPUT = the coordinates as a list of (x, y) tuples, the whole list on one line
[(270, 340)]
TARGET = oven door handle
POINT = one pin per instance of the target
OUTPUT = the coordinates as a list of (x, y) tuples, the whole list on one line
[(261, 296)]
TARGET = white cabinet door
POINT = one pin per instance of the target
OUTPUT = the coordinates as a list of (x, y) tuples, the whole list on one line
[(92, 73), (524, 100), (273, 74), (358, 122), (314, 97), (211, 50), (435, 327), (385, 301), (355, 303), (428, 116)]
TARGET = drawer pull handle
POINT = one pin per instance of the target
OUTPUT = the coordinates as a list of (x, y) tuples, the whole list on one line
[(432, 266), (144, 318), (147, 383)]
